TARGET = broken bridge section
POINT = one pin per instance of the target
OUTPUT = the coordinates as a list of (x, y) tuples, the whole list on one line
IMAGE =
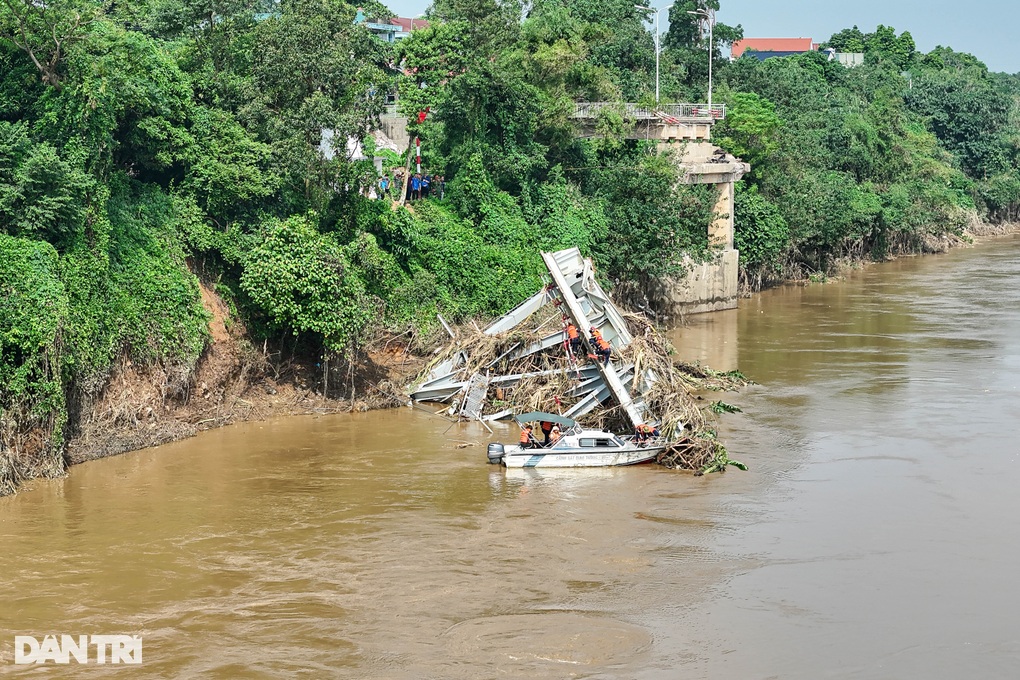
[(660, 123), (573, 293)]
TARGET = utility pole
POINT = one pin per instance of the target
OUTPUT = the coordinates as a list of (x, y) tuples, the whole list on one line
[(657, 49), (709, 15)]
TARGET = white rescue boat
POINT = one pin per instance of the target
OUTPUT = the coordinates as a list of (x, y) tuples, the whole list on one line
[(577, 447)]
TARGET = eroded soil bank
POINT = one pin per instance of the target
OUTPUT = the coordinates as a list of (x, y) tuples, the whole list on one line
[(234, 381)]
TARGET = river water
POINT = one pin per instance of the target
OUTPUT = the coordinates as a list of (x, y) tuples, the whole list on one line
[(875, 535)]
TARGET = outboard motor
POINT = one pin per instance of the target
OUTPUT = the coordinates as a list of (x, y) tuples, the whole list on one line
[(495, 453)]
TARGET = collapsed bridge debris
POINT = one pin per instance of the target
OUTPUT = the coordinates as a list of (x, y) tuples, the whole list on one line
[(515, 354)]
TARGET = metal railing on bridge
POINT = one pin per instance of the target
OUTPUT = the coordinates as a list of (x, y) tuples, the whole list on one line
[(666, 113)]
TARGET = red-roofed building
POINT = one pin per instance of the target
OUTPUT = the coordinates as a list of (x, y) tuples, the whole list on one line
[(406, 24), (762, 48)]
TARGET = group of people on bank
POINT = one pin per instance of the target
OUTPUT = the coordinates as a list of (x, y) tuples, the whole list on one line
[(418, 187), (426, 186)]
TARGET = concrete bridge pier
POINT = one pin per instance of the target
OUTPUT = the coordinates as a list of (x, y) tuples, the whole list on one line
[(720, 232), (711, 286)]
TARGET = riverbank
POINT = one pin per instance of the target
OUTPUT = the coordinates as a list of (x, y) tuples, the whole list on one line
[(235, 381), (985, 230), (976, 232), (232, 382)]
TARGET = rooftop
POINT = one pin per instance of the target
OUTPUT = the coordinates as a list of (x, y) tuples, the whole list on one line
[(394, 27), (788, 45)]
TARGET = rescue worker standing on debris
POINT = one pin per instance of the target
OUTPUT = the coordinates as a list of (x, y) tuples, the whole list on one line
[(527, 438), (574, 337), (601, 347)]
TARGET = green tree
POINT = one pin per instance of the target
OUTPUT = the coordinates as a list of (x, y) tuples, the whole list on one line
[(847, 40), (965, 109), (654, 220), (41, 194), (492, 25), (303, 282), (46, 30), (750, 130), (306, 83), (885, 44), (33, 317), (686, 48), (760, 234)]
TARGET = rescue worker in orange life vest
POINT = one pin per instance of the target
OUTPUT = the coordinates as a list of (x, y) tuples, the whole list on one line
[(644, 432), (527, 438), (546, 429), (575, 338), (555, 436), (601, 347)]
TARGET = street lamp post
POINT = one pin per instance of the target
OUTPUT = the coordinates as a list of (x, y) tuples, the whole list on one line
[(709, 15), (419, 16), (657, 13)]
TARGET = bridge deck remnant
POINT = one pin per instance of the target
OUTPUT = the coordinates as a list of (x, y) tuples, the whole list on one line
[(664, 112), (663, 123)]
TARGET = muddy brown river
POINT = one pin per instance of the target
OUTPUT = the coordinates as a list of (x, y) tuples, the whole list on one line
[(876, 534)]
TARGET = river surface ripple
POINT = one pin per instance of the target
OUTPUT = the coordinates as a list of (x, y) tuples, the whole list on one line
[(875, 536)]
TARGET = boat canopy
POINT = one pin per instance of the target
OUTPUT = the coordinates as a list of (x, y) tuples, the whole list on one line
[(547, 417)]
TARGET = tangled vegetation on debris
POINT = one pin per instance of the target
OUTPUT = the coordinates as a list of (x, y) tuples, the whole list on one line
[(548, 379)]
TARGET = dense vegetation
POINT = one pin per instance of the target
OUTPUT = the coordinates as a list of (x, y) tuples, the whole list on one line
[(865, 161), (149, 142)]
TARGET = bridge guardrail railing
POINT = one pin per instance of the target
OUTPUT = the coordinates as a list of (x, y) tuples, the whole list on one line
[(664, 112)]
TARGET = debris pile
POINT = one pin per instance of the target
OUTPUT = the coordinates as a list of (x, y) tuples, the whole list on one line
[(525, 361)]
